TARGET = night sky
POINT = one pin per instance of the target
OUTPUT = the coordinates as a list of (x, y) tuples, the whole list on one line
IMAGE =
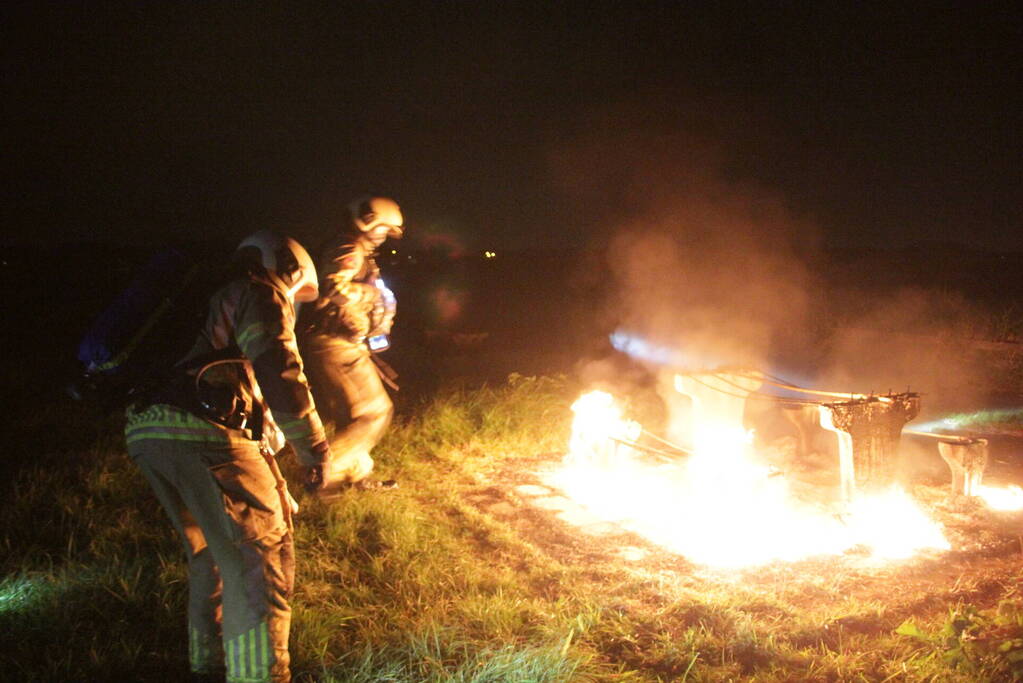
[(883, 124)]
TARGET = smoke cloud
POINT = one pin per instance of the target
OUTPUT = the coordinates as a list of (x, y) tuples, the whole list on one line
[(709, 263), (909, 338), (702, 259)]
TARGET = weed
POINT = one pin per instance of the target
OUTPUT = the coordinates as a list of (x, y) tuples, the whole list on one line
[(428, 582)]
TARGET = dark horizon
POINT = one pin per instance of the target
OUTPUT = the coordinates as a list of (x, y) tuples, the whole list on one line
[(514, 126)]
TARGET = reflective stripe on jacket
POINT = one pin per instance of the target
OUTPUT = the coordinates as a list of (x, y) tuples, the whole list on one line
[(170, 423)]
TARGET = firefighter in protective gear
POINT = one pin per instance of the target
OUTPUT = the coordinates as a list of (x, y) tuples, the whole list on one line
[(353, 307), (202, 443)]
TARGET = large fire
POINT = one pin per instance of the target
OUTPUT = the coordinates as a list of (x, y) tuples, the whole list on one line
[(719, 506)]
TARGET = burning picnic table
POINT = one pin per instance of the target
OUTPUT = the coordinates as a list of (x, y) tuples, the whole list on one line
[(713, 498)]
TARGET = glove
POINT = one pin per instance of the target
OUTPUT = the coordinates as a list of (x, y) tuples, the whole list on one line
[(312, 478)]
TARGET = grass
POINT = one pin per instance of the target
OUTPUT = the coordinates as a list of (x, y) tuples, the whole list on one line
[(452, 577)]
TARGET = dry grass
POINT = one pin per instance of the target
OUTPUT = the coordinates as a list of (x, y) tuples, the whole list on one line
[(455, 577)]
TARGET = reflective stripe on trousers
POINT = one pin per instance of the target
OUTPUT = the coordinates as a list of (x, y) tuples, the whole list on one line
[(224, 501), (170, 423), (249, 655)]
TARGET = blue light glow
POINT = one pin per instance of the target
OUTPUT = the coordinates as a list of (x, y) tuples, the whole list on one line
[(644, 350), (640, 349)]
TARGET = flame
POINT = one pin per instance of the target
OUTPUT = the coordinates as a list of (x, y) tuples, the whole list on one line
[(1009, 499), (893, 526), (719, 506), (597, 427)]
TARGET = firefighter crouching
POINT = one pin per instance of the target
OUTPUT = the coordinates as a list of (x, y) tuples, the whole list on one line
[(353, 309), (205, 444)]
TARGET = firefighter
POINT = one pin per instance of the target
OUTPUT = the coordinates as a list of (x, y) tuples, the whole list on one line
[(354, 309), (204, 444)]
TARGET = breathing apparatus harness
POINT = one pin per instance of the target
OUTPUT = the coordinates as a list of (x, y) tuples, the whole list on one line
[(185, 388)]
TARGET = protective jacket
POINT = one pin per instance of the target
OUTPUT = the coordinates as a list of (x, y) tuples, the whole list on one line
[(349, 296), (249, 319), (345, 380)]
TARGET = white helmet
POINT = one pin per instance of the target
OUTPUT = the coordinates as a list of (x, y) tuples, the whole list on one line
[(285, 261), (372, 212)]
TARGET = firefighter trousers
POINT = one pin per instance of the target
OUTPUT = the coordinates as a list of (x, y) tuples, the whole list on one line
[(225, 503), (349, 395)]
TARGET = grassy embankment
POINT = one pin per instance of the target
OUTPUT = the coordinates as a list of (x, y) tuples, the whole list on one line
[(452, 578)]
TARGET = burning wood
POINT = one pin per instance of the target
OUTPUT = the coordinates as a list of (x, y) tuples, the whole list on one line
[(869, 430), (719, 506), (719, 503), (599, 430)]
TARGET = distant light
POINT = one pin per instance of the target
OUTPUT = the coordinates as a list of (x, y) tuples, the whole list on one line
[(394, 251), (490, 254)]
